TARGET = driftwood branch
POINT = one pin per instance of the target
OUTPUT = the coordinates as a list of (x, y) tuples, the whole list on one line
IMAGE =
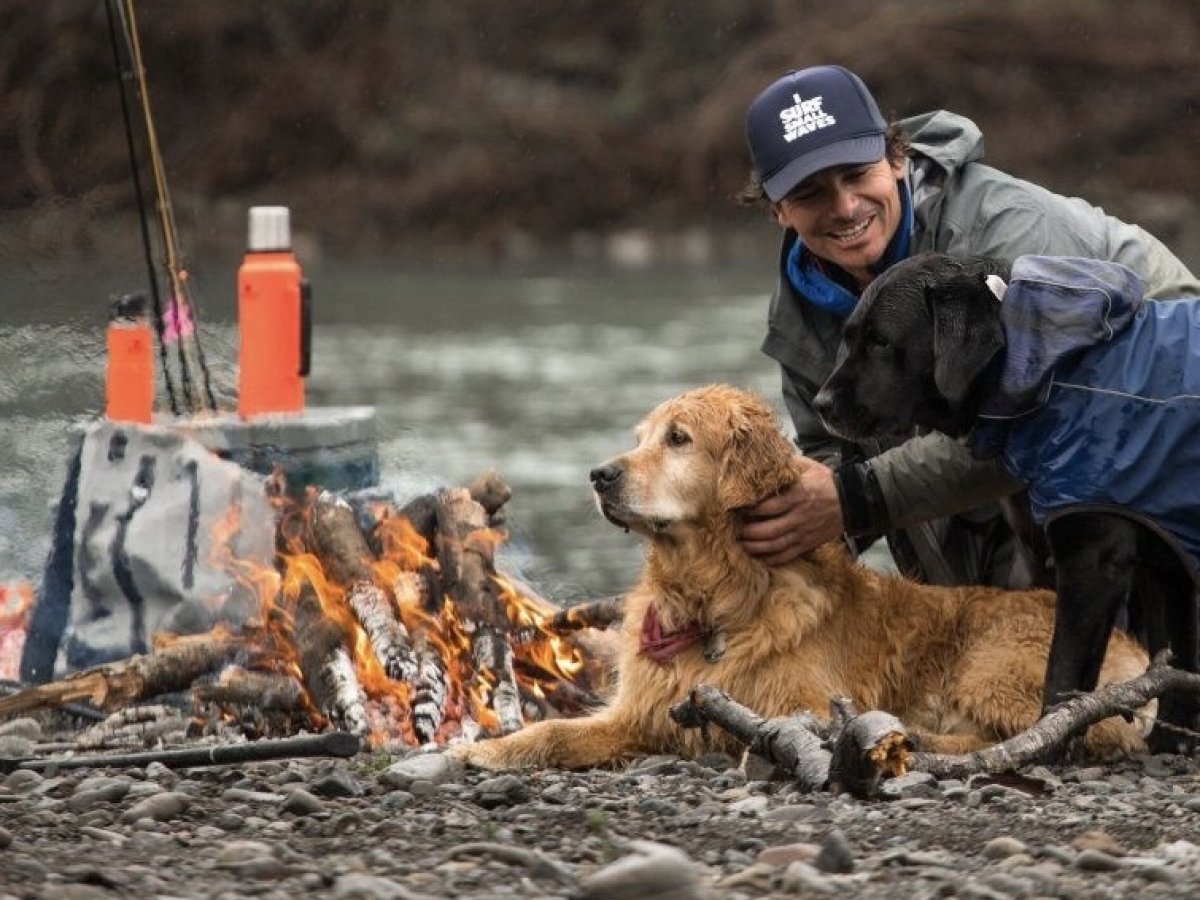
[(335, 743), (1052, 731), (867, 748), (791, 743), (111, 686)]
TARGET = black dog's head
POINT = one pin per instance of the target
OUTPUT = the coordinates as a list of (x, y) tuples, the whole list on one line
[(913, 348)]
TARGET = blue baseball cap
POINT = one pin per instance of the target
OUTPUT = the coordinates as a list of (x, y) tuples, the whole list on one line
[(809, 120)]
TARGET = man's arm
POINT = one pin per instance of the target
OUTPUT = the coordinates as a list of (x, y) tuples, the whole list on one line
[(924, 478)]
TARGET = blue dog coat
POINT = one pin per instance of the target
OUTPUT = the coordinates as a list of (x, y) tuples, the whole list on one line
[(1096, 403)]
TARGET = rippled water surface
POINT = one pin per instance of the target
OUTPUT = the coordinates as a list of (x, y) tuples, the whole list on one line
[(537, 376)]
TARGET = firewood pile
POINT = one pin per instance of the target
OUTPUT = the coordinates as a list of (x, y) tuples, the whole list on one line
[(390, 623)]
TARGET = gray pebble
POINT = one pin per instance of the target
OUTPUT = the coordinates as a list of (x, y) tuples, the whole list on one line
[(912, 784), (336, 783), (159, 807), (503, 790), (15, 746), (836, 855), (801, 878), (369, 887), (651, 872), (750, 806), (302, 803), (27, 728), (1002, 847), (1096, 861), (434, 768), (22, 781)]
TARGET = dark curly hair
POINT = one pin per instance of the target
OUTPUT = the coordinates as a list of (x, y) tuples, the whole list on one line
[(896, 147)]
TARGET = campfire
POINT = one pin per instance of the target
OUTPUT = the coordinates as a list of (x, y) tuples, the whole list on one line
[(391, 623)]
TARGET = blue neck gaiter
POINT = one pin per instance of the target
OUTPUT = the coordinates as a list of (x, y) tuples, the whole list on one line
[(819, 289)]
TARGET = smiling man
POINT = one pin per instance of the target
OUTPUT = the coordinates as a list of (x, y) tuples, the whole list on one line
[(855, 194)]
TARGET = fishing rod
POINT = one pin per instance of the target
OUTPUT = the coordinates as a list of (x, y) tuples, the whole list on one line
[(125, 74), (176, 323)]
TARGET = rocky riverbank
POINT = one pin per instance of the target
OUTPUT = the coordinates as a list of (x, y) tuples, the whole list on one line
[(419, 826)]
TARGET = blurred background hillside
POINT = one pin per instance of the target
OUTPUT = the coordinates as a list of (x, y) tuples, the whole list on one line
[(530, 130)]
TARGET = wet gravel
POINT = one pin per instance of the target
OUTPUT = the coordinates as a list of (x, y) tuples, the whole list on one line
[(418, 825)]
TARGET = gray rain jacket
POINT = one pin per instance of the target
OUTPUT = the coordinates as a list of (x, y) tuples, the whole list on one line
[(933, 500)]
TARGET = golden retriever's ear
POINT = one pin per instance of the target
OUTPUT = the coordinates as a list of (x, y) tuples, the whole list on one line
[(756, 462)]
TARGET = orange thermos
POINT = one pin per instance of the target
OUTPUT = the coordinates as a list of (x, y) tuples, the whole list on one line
[(129, 378), (274, 321)]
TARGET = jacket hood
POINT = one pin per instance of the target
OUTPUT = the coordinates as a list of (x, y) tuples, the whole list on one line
[(947, 138)]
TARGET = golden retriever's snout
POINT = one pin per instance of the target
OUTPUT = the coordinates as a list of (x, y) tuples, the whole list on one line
[(605, 478)]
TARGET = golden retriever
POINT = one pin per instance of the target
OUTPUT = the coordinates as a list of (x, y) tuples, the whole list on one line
[(961, 667)]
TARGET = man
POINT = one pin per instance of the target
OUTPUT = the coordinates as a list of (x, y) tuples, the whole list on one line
[(855, 195)]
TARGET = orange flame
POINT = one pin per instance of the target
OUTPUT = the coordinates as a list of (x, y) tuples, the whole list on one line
[(16, 600), (433, 624)]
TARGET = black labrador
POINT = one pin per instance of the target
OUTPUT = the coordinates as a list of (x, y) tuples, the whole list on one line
[(925, 347)]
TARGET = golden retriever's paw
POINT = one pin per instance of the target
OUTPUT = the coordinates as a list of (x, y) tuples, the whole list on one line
[(480, 754)]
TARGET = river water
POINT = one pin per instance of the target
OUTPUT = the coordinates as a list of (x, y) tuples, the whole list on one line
[(539, 376)]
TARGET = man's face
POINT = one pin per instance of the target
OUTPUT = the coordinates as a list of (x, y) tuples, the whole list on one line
[(846, 214)]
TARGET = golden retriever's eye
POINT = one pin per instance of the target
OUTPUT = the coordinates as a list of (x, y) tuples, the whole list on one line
[(677, 437)]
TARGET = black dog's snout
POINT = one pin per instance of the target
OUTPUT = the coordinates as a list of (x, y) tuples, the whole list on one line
[(823, 403), (605, 477)]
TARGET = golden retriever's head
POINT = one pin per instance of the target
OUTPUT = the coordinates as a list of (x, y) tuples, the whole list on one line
[(699, 456)]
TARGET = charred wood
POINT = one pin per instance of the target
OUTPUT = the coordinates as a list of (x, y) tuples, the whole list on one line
[(600, 613), (430, 693), (347, 557), (491, 492), (466, 548), (170, 667), (326, 665), (238, 687), (144, 725)]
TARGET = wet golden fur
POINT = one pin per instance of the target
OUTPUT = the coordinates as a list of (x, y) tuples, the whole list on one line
[(962, 667)]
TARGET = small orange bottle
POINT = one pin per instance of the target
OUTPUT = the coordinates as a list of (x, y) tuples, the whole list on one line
[(272, 319), (129, 378)]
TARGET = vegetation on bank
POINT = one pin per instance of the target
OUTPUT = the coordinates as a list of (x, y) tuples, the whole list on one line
[(491, 124)]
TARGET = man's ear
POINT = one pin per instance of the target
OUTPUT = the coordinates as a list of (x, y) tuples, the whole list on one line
[(966, 334)]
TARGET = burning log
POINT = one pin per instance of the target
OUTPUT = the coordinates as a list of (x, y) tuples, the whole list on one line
[(599, 613), (322, 645), (491, 492), (170, 667), (431, 692), (466, 549), (444, 646), (344, 551)]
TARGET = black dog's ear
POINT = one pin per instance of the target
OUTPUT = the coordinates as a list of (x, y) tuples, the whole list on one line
[(966, 333)]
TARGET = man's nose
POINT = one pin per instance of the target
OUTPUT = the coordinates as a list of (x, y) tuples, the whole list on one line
[(844, 202)]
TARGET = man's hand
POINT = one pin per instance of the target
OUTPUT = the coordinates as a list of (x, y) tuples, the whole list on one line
[(808, 514)]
